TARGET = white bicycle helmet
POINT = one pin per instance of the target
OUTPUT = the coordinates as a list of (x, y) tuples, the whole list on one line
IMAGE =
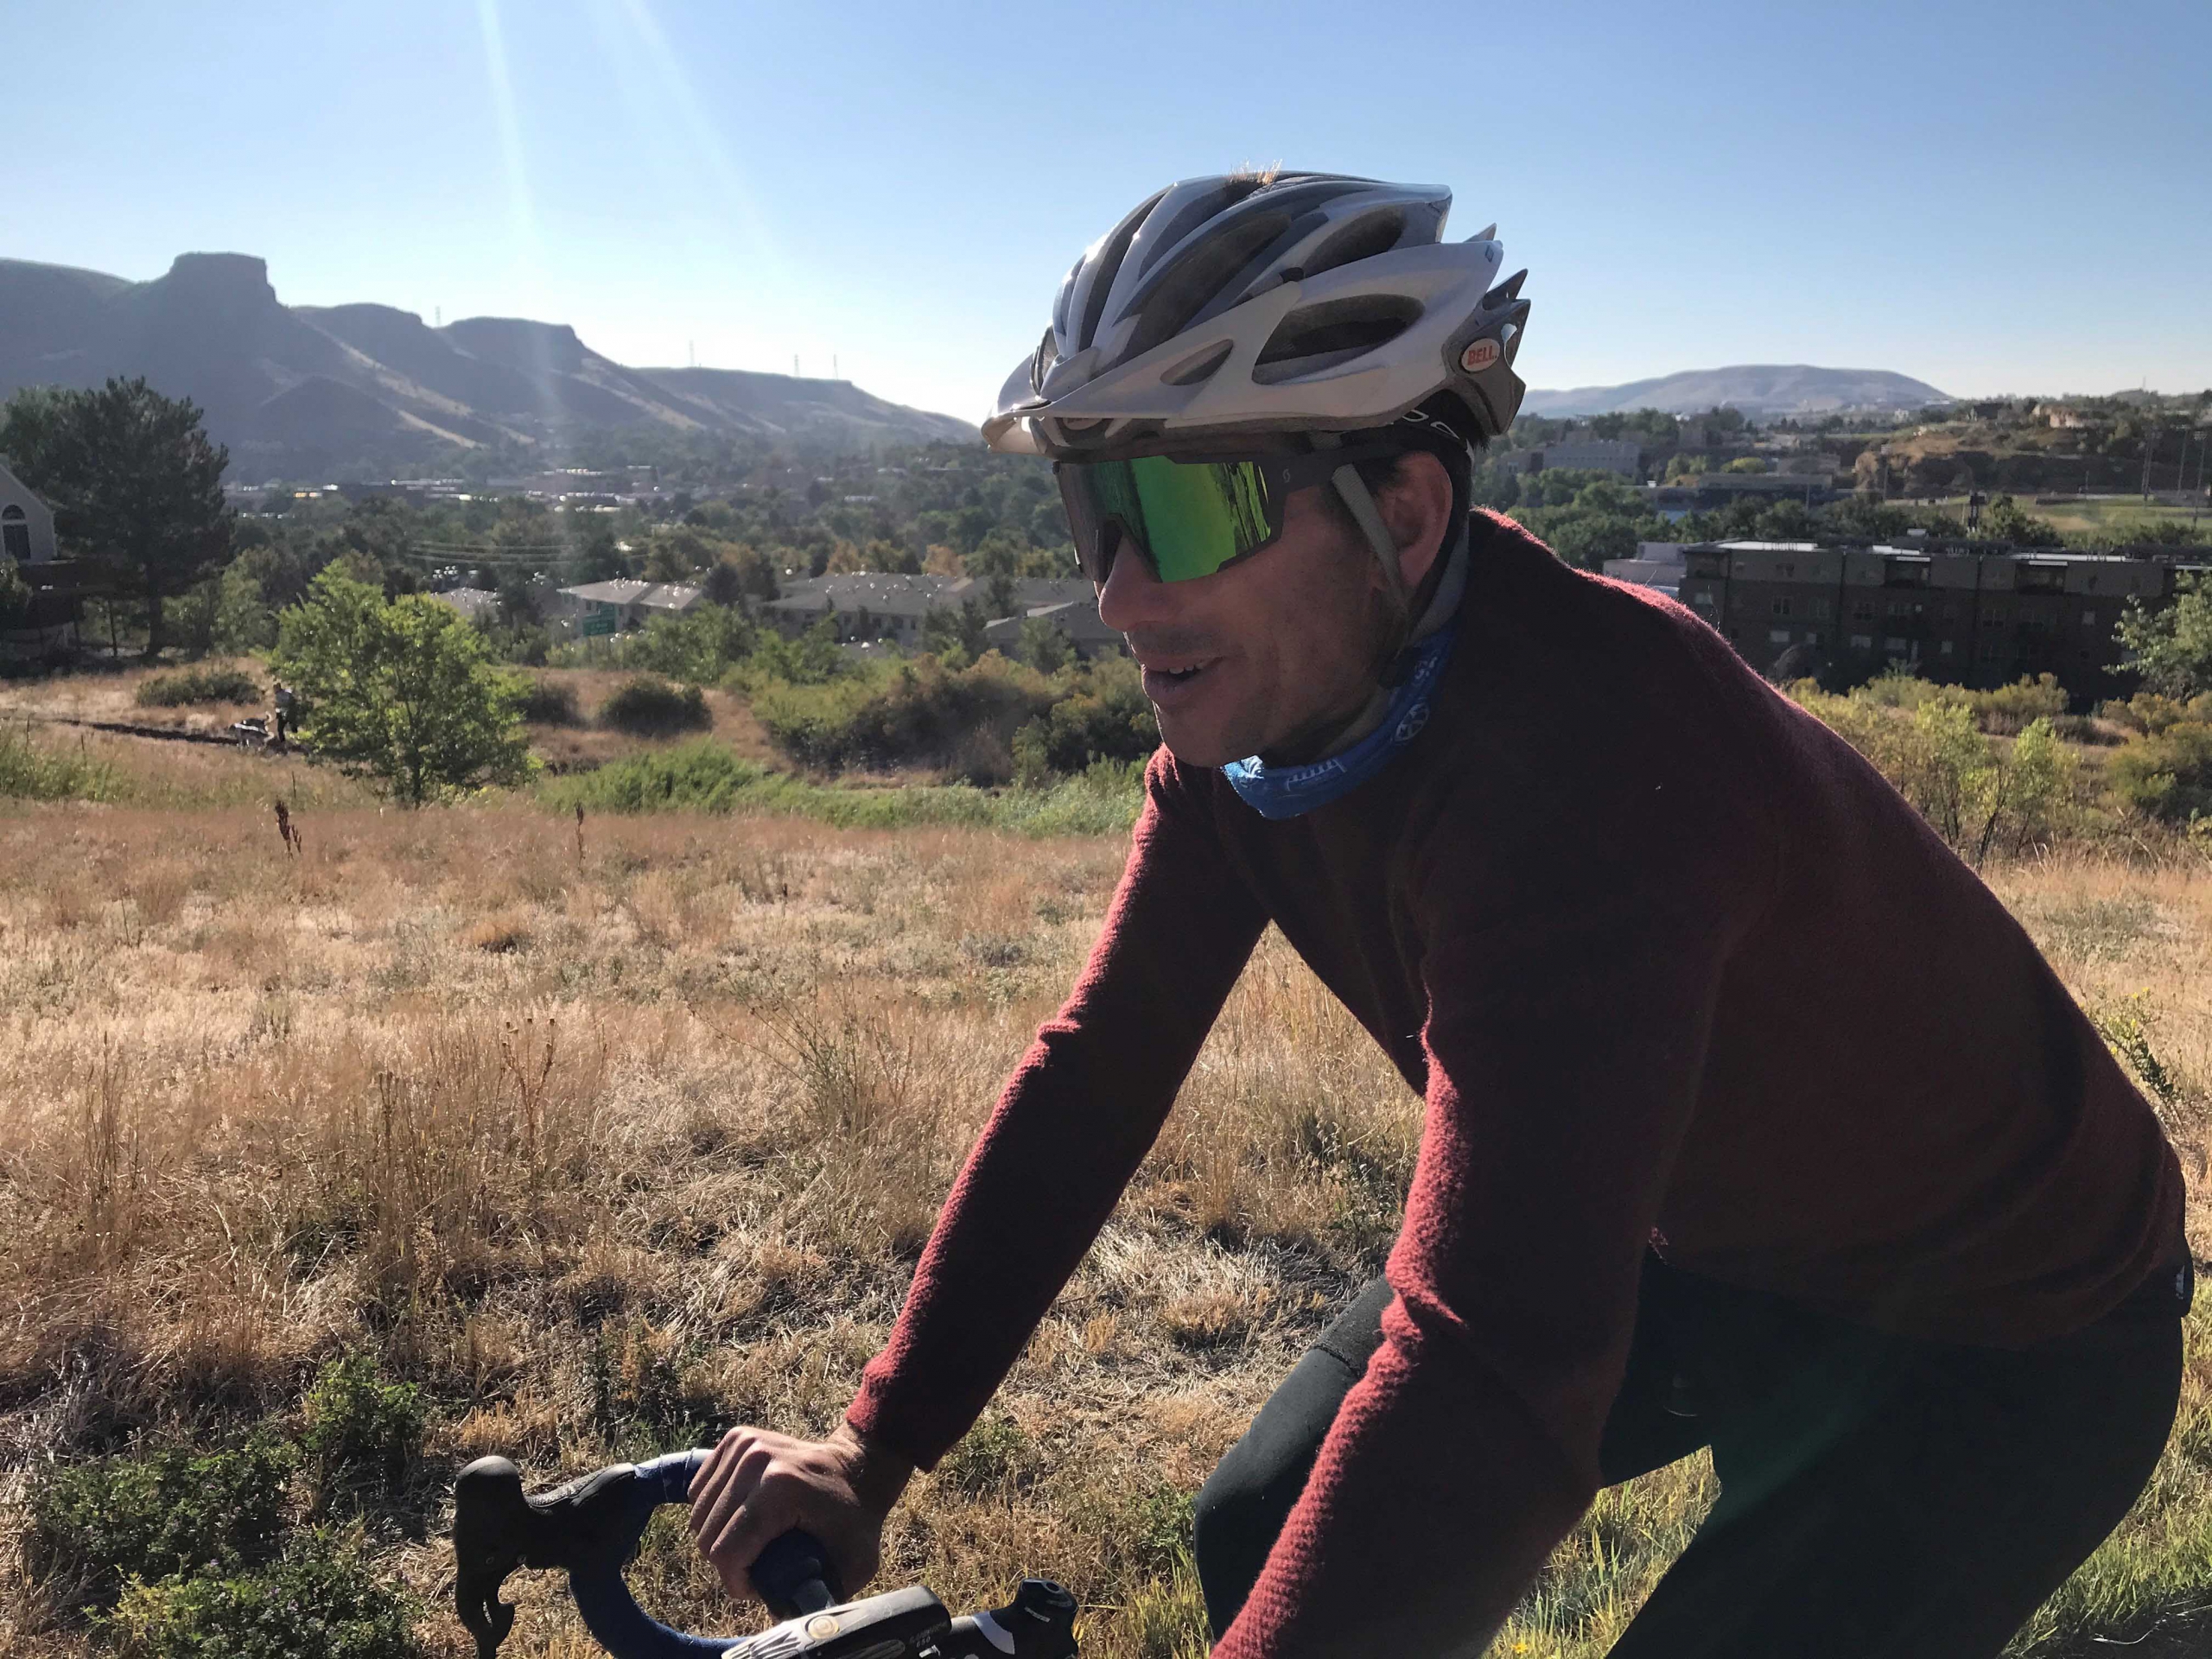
[(1285, 303)]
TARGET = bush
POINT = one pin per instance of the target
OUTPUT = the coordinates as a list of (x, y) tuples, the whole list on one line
[(2149, 713), (2001, 711), (29, 771), (361, 1434), (94, 1525), (985, 723), (549, 702), (320, 1600), (647, 707), (702, 775), (2014, 707), (914, 713), (2168, 774), (813, 659), (700, 646), (1110, 721), (199, 685), (1981, 797)]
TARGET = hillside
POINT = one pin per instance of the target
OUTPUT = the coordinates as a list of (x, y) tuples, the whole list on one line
[(1768, 389), (368, 389)]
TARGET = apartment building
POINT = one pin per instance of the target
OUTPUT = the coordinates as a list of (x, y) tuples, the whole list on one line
[(1951, 612), (1622, 455)]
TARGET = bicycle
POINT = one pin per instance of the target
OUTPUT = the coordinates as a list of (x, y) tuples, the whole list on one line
[(590, 1528)]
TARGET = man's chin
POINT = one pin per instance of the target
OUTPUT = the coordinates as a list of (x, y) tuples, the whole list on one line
[(1200, 743)]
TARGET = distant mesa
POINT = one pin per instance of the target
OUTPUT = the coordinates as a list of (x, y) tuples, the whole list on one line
[(299, 390), (1763, 389)]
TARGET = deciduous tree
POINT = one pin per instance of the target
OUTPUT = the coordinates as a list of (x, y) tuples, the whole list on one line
[(2171, 648), (401, 691)]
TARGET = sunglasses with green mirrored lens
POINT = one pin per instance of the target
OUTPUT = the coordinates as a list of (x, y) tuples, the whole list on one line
[(1188, 518)]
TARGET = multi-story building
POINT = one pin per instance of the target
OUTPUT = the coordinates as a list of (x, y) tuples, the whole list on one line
[(1622, 455), (1951, 612)]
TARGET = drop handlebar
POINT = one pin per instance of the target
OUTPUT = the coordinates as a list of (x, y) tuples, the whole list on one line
[(590, 1528)]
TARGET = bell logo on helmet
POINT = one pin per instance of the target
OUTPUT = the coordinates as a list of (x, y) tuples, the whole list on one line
[(1479, 355)]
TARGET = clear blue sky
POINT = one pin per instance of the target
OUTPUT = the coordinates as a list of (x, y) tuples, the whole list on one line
[(1993, 197)]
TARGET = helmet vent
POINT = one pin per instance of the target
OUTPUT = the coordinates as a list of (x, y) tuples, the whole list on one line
[(1181, 291), (1365, 237), (1336, 330), (1199, 366), (1110, 266)]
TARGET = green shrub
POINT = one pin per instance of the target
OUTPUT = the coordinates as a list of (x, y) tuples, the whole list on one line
[(30, 771), (701, 776), (549, 702), (361, 1434), (2148, 712), (94, 1525), (918, 712), (1110, 720), (199, 685), (1103, 799), (985, 722), (813, 659), (2002, 711), (2168, 774), (320, 1600), (647, 707), (704, 776), (2014, 707), (699, 646), (1981, 796)]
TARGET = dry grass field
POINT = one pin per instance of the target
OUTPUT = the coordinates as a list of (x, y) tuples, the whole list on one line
[(608, 1144), (56, 706)]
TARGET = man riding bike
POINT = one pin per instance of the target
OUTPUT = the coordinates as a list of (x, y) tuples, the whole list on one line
[(1752, 1120)]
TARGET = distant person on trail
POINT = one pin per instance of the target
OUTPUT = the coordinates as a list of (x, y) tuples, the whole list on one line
[(283, 697), (1753, 1121)]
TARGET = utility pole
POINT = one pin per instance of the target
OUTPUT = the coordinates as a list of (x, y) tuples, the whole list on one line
[(795, 373)]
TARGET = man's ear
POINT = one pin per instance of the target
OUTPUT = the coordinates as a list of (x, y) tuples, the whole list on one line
[(1416, 506)]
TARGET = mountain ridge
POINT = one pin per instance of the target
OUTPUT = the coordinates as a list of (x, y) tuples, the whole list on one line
[(1798, 389), (296, 390)]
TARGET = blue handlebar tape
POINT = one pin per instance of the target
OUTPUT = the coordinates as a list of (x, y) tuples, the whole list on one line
[(609, 1612)]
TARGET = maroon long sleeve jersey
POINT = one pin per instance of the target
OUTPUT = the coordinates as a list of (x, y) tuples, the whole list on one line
[(1671, 965)]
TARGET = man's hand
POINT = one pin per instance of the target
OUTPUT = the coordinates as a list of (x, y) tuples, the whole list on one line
[(758, 1485)]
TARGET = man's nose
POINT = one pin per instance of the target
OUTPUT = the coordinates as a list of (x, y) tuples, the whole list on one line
[(1132, 596)]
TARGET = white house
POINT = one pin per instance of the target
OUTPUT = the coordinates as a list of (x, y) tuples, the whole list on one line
[(606, 607), (25, 523)]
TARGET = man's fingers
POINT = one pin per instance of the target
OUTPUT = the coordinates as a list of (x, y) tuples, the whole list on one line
[(756, 1486), (770, 1509), (719, 1488), (728, 1541)]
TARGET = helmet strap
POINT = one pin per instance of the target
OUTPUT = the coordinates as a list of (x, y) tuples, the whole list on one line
[(1394, 661), (1361, 503)]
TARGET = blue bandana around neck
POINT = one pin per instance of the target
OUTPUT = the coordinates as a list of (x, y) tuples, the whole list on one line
[(1285, 791)]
